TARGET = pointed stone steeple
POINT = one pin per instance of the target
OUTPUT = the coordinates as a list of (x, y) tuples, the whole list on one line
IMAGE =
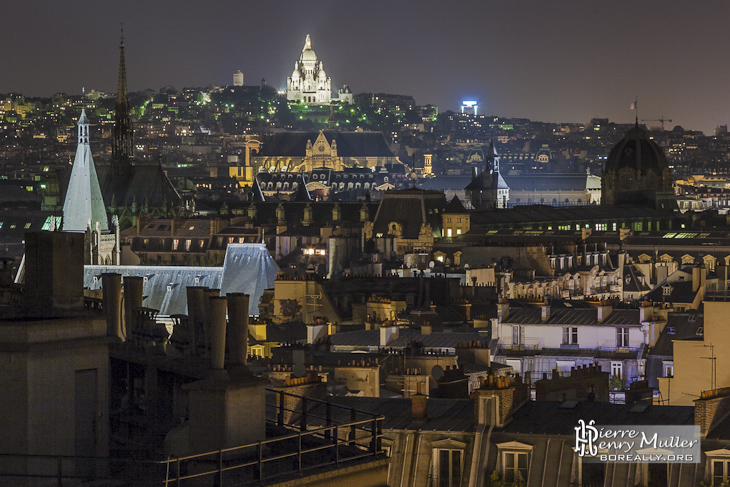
[(122, 148), (84, 205)]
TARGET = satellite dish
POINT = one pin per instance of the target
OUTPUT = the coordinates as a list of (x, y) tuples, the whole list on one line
[(431, 264), (437, 372)]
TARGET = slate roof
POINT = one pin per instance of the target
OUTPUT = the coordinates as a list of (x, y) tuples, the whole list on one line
[(442, 183), (681, 292), (679, 326), (142, 182), (359, 338), (581, 214), (439, 340), (411, 208), (564, 416), (455, 206), (571, 316), (442, 414), (349, 144), (547, 182)]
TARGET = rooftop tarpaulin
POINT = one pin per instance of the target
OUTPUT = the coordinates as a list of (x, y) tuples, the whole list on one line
[(248, 268)]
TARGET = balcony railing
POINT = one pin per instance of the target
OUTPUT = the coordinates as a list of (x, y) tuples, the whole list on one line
[(327, 436)]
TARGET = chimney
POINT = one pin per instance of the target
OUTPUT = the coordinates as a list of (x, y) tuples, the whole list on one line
[(721, 270), (238, 327), (54, 272), (142, 222), (196, 308), (175, 226), (387, 333), (646, 311), (696, 271), (545, 312), (207, 318), (218, 332), (419, 404), (503, 309), (604, 310), (497, 398), (713, 404), (133, 296), (111, 284)]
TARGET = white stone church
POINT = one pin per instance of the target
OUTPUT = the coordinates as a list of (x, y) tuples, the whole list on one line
[(309, 83)]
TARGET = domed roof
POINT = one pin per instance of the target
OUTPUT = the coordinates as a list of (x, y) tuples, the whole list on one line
[(308, 55), (637, 151)]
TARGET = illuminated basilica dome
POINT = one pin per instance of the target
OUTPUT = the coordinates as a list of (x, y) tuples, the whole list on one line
[(309, 83)]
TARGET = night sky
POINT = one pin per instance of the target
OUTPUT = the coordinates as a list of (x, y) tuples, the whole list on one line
[(553, 61)]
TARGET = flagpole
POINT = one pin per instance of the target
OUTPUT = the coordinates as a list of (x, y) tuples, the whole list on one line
[(636, 107)]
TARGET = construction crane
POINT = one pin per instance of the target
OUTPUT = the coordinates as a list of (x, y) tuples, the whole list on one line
[(662, 120)]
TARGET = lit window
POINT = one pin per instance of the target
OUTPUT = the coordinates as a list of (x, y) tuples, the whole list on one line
[(187, 244), (175, 244), (448, 232), (27, 226), (458, 231)]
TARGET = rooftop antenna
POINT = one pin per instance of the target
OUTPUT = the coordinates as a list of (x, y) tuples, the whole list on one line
[(713, 364)]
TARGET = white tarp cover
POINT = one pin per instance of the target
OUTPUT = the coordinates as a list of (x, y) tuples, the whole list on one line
[(248, 268)]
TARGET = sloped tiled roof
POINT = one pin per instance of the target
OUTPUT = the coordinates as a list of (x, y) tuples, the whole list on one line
[(530, 418), (349, 144), (569, 316)]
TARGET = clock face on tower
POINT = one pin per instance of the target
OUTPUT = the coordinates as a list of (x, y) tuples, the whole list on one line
[(321, 147)]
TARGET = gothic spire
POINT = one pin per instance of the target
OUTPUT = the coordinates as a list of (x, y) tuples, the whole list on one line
[(122, 140), (84, 204)]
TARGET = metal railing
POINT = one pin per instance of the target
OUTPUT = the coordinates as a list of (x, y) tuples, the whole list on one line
[(327, 436)]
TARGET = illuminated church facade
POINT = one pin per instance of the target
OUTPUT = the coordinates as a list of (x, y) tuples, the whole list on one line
[(308, 82)]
